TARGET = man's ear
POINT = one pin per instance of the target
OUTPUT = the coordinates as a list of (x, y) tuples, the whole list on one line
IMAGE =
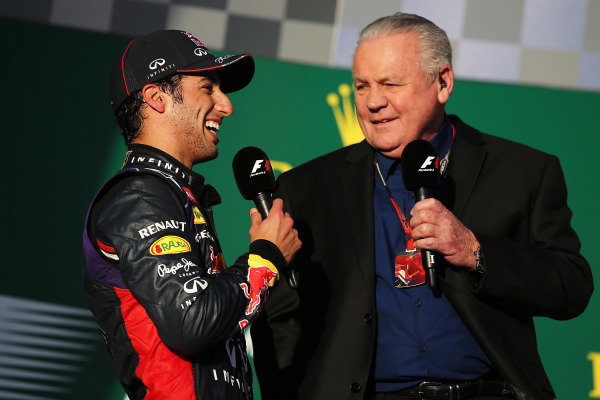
[(446, 83), (154, 97)]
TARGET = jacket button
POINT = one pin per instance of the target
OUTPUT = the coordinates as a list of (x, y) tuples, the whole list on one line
[(368, 319), (355, 387)]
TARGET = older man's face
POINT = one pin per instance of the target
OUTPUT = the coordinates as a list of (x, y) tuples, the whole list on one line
[(395, 102)]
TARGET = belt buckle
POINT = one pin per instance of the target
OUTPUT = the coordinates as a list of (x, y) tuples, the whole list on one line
[(450, 391), (452, 387)]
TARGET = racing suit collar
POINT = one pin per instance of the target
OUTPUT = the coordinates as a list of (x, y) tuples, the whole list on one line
[(140, 155)]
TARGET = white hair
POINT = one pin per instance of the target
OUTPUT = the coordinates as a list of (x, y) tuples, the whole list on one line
[(436, 51)]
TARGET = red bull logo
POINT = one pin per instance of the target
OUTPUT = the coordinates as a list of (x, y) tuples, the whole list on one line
[(261, 275)]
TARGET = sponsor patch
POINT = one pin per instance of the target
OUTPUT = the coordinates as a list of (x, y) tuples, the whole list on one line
[(194, 285), (170, 245), (174, 269), (107, 250), (218, 262), (189, 194), (198, 217), (159, 226), (205, 234), (261, 275)]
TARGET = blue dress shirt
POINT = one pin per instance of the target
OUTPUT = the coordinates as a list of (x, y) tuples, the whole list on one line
[(419, 336)]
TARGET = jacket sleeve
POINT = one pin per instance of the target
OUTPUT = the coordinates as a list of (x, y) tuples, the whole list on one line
[(546, 276), (276, 333), (168, 275)]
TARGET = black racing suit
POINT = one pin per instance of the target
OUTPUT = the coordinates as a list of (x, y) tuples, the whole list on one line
[(171, 313)]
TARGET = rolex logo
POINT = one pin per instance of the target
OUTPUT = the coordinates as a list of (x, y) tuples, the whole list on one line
[(345, 115)]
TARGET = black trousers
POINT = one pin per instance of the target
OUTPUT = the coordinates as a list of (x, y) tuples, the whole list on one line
[(393, 396)]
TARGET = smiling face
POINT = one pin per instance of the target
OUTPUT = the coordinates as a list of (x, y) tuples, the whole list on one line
[(197, 118), (395, 102)]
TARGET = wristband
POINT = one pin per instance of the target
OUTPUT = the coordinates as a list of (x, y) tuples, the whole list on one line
[(479, 263)]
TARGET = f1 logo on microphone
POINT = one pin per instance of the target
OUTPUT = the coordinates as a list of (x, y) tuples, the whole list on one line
[(428, 161), (257, 164)]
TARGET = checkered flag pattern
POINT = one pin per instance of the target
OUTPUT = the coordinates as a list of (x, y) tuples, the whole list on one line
[(553, 43)]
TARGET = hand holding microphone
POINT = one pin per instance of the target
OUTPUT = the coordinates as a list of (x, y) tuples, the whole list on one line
[(277, 228), (255, 180), (435, 228), (421, 174)]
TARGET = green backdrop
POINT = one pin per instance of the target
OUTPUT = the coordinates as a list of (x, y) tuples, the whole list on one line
[(60, 143)]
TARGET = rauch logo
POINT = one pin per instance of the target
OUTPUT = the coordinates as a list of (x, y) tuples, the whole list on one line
[(170, 245)]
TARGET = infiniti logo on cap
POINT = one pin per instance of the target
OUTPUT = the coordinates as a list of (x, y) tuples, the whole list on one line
[(156, 63), (199, 51)]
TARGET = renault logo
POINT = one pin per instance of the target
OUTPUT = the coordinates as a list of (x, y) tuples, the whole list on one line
[(159, 62)]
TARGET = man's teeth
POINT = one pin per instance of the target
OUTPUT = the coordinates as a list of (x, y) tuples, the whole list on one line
[(213, 126)]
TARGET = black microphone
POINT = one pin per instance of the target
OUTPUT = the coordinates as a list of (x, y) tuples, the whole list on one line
[(254, 176), (421, 174)]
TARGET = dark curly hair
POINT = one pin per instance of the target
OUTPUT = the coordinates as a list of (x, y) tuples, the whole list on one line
[(129, 114)]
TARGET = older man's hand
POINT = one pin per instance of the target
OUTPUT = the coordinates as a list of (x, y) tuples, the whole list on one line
[(436, 228)]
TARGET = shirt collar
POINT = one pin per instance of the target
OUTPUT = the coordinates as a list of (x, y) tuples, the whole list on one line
[(441, 141)]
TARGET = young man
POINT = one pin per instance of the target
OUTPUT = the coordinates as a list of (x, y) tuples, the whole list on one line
[(171, 313)]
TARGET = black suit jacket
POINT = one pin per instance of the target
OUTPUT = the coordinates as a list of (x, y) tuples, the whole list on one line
[(318, 342)]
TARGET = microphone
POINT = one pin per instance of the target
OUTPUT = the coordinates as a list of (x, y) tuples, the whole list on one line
[(421, 174), (255, 179)]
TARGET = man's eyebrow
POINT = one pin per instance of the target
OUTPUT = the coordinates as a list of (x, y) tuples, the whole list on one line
[(386, 78)]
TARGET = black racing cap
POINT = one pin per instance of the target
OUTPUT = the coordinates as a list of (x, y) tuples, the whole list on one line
[(158, 55)]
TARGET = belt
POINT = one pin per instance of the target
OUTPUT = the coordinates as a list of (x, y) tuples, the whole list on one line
[(454, 391)]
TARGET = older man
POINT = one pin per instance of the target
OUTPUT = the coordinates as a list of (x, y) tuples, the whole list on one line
[(171, 313), (499, 223)]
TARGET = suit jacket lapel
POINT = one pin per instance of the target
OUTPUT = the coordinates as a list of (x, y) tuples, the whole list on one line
[(467, 157), (356, 179)]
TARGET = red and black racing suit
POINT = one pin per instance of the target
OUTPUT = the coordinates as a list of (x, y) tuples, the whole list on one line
[(171, 313)]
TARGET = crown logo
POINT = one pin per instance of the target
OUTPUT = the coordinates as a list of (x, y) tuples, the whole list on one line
[(281, 166), (345, 115)]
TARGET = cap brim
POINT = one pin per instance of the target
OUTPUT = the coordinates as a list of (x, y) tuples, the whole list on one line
[(235, 71)]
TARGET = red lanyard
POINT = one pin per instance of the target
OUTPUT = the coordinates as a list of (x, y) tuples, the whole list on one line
[(410, 242)]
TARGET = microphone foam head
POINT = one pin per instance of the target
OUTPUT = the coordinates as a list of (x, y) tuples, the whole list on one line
[(420, 165), (253, 172)]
